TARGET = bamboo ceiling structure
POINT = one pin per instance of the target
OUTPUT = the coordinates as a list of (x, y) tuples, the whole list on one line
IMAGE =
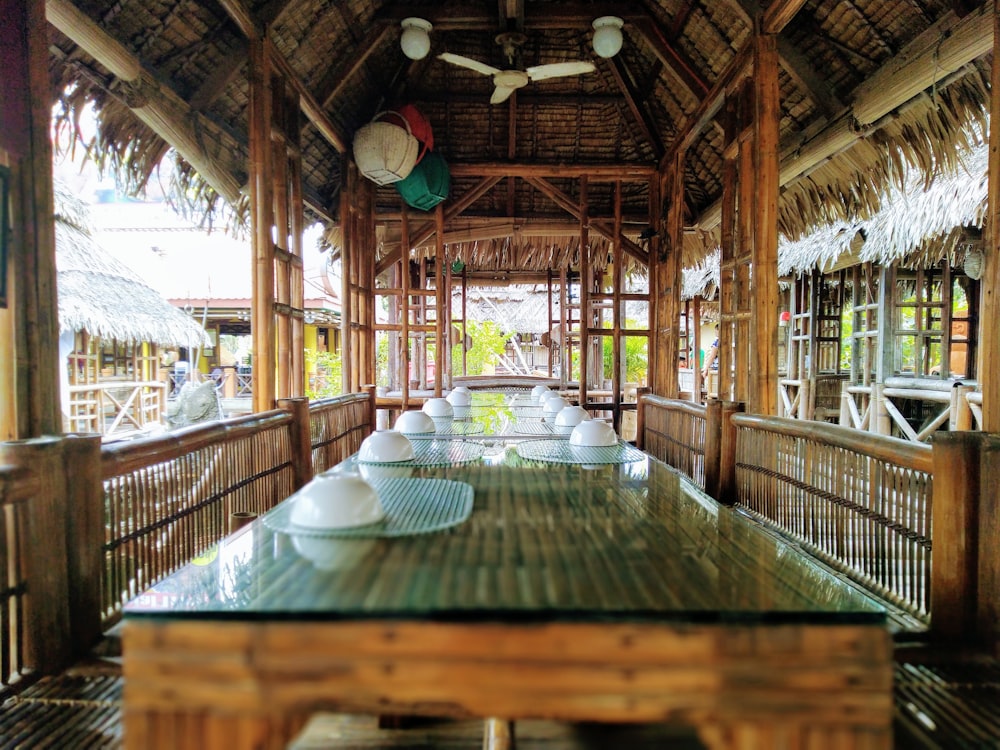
[(800, 111)]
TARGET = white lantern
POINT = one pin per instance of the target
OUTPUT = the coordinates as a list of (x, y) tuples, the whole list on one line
[(414, 41), (607, 35), (974, 264)]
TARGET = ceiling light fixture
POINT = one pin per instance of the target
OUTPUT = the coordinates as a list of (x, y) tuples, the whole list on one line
[(415, 41), (607, 35)]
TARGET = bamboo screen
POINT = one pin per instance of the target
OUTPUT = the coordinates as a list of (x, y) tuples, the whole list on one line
[(17, 487), (336, 427), (169, 499), (675, 434), (859, 502)]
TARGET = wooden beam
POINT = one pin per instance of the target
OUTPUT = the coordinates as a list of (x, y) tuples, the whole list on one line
[(310, 107), (465, 16), (779, 13), (218, 79), (806, 77), (709, 106), (339, 77), (154, 103), (566, 203), (243, 17), (673, 60), (427, 231), (641, 115), (935, 54), (625, 172)]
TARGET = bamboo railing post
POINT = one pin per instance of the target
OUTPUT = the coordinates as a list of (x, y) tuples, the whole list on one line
[(845, 409), (713, 446), (961, 411), (954, 524), (47, 642), (372, 406), (84, 537), (988, 571), (727, 453), (301, 438), (640, 421)]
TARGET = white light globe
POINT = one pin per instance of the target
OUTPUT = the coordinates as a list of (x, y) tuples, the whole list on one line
[(607, 36), (414, 41)]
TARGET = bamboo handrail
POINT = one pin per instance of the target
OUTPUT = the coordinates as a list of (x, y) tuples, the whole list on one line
[(906, 454)]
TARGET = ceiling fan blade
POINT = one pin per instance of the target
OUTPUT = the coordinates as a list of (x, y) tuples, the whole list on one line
[(468, 62), (557, 70), (502, 93)]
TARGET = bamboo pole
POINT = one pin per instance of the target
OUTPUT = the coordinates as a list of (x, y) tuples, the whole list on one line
[(713, 447), (261, 219), (585, 286), (548, 330), (672, 277), (618, 367), (694, 356), (989, 348), (29, 325), (954, 533), (988, 570), (439, 292), (301, 439), (465, 322), (346, 261), (563, 328), (404, 262), (727, 453)]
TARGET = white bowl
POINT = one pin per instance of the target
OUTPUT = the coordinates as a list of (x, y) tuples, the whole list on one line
[(461, 389), (571, 416), (553, 406), (385, 447), (338, 500), (538, 392), (459, 398), (593, 433), (414, 423), (438, 408)]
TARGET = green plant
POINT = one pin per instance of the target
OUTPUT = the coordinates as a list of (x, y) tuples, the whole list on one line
[(325, 374), (488, 344), (636, 353)]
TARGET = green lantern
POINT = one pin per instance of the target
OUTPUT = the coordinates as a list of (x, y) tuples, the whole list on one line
[(428, 183)]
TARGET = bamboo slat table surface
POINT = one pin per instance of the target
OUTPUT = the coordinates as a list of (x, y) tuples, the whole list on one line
[(616, 592)]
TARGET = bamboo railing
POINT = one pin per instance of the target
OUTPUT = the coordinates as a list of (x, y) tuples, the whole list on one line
[(18, 486), (860, 502), (337, 426), (674, 431)]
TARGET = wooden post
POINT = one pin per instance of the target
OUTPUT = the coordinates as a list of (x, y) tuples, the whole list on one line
[(989, 346), (805, 399), (845, 407), (694, 356), (727, 453), (548, 330), (640, 420), (618, 366), (84, 537), (498, 734), (764, 301), (301, 439), (48, 644), (346, 263), (713, 446), (988, 563), (879, 420), (439, 292), (954, 533), (372, 405), (404, 243), (261, 220), (29, 324), (584, 293)]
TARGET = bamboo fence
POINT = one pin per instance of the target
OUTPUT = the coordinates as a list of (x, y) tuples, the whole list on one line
[(17, 487), (674, 431)]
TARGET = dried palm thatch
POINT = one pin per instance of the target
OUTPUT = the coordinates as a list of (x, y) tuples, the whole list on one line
[(703, 279), (916, 224), (101, 295)]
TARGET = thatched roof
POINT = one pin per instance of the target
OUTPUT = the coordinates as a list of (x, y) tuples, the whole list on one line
[(101, 295), (919, 223), (845, 133)]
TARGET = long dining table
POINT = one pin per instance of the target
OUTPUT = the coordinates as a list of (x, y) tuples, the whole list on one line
[(607, 592)]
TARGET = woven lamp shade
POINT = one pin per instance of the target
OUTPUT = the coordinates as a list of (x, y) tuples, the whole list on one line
[(428, 183), (420, 128), (385, 152)]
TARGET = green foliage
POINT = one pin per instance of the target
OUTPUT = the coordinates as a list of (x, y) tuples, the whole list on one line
[(636, 355), (325, 374), (488, 343)]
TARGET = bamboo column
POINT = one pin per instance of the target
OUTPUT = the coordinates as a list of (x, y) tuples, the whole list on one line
[(764, 301), (670, 282), (404, 262), (584, 292), (261, 220), (652, 353), (989, 348), (439, 292), (618, 368), (366, 286), (447, 324), (29, 326), (346, 263), (564, 368), (465, 321), (728, 253), (548, 288), (694, 356)]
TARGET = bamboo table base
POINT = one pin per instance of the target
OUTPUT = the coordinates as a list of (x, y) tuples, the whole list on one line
[(191, 683)]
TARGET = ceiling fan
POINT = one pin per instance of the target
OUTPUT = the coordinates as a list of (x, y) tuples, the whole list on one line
[(510, 80)]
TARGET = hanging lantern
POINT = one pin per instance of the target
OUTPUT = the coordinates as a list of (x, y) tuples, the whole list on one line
[(420, 127), (385, 152), (428, 183), (974, 264)]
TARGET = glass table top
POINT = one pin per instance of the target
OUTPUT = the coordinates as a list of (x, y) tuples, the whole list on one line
[(544, 542)]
